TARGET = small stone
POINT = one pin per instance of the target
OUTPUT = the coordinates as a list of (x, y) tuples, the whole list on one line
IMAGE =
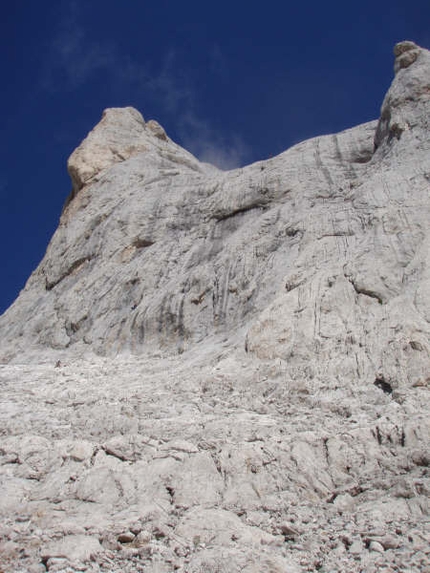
[(356, 547), (376, 532), (142, 538), (36, 568), (56, 563), (129, 552), (376, 546), (110, 542), (126, 537), (288, 530), (72, 547), (159, 532), (344, 502), (388, 541), (136, 528), (79, 451)]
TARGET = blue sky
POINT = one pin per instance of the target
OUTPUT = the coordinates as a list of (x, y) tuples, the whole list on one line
[(233, 82)]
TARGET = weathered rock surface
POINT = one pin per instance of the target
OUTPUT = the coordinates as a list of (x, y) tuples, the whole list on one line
[(227, 371)]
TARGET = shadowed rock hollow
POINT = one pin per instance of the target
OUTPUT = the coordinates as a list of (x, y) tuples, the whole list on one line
[(244, 356)]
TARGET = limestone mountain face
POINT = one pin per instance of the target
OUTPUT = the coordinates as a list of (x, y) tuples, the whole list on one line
[(305, 251), (247, 354)]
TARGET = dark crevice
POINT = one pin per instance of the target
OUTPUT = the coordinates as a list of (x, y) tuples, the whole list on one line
[(292, 232), (365, 291), (171, 491), (110, 452), (364, 158), (383, 385), (74, 267), (293, 283), (198, 299), (337, 234), (73, 327), (378, 435), (94, 454), (142, 243), (222, 215), (326, 451)]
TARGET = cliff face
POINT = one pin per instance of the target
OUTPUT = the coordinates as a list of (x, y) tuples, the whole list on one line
[(273, 321), (318, 252)]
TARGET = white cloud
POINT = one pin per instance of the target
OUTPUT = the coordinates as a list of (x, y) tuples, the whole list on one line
[(208, 144), (75, 58)]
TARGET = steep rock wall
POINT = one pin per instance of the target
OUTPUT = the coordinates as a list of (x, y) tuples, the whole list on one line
[(318, 257)]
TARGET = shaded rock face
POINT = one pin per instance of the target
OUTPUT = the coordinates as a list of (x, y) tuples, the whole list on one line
[(243, 357)]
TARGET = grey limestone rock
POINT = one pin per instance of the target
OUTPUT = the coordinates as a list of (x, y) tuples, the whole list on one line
[(72, 547), (227, 371)]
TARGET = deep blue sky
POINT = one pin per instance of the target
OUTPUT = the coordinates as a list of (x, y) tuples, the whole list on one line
[(233, 82)]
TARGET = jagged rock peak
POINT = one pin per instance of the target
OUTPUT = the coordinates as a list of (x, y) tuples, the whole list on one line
[(121, 134), (406, 106), (116, 137), (406, 53)]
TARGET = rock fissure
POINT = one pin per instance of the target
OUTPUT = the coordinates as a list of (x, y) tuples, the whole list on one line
[(363, 290), (73, 269), (224, 215)]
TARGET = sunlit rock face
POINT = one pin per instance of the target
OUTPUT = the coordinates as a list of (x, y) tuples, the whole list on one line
[(317, 256), (243, 357)]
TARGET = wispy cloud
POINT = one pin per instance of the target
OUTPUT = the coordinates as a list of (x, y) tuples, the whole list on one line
[(210, 145), (75, 58), (180, 101)]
